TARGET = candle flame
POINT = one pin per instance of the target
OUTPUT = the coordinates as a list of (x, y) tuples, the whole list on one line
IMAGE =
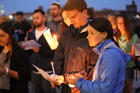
[(55, 37), (52, 41)]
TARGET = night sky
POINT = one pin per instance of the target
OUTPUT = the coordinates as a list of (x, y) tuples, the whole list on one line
[(11, 6)]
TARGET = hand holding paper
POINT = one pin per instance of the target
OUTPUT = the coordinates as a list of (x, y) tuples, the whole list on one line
[(52, 78), (44, 74), (30, 44)]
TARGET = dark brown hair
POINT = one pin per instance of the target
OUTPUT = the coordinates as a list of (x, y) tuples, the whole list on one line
[(79, 5), (102, 24), (90, 12), (8, 28), (19, 13), (127, 26), (39, 10)]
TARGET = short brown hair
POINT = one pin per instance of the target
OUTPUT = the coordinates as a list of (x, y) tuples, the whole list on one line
[(39, 10), (19, 13), (57, 4), (90, 12), (79, 5)]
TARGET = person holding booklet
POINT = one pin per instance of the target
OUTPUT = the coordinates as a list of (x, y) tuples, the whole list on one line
[(27, 45), (14, 64), (73, 53), (41, 56)]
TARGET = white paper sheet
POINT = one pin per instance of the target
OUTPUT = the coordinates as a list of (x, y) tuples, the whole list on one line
[(30, 44), (44, 74)]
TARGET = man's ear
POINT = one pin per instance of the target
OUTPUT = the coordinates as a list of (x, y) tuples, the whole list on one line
[(85, 12)]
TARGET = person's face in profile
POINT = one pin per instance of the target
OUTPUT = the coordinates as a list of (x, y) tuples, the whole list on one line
[(95, 37), (54, 10), (4, 38), (120, 24), (38, 19), (65, 18), (77, 18)]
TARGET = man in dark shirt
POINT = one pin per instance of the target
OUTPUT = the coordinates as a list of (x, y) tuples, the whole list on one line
[(73, 54), (41, 56), (21, 26)]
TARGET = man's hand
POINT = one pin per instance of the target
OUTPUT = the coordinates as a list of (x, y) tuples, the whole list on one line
[(21, 45), (36, 49)]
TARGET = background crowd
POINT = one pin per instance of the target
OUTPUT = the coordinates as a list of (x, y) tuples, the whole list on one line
[(94, 55)]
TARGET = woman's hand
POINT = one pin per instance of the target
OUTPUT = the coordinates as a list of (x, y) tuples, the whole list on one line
[(58, 80), (75, 90), (73, 78)]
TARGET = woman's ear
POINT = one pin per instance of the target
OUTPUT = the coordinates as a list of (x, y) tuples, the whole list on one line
[(104, 34)]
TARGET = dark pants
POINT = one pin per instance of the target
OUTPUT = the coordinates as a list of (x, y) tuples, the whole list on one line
[(66, 89), (128, 87), (40, 85), (4, 91)]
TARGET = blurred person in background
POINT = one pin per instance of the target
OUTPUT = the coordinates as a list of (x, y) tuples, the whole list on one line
[(14, 64), (125, 42), (3, 18), (21, 26), (90, 13), (56, 22), (137, 31), (136, 48), (112, 17)]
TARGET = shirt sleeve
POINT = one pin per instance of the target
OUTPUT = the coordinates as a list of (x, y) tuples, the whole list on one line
[(22, 65)]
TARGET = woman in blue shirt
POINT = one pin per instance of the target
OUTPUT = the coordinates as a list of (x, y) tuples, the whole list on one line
[(109, 72)]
